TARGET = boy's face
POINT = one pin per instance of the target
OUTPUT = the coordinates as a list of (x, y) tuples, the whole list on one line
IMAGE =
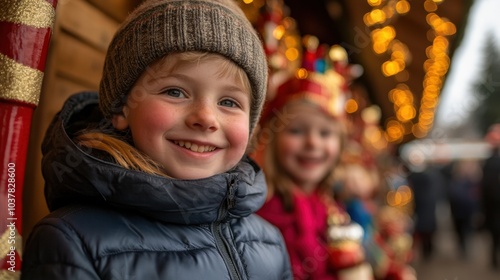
[(308, 145), (189, 117)]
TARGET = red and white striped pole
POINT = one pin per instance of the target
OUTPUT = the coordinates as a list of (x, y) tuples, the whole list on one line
[(25, 29)]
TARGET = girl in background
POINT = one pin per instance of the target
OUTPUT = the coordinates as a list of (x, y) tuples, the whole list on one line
[(299, 145)]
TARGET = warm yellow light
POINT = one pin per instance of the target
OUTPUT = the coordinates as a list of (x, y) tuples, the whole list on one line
[(351, 106), (427, 64), (292, 54), (291, 41), (393, 198), (419, 131), (310, 42), (406, 194), (385, 34), (425, 122), (395, 131), (429, 103), (278, 32), (371, 114), (432, 81), (390, 68), (426, 115), (378, 16), (431, 18), (379, 47), (402, 97), (374, 3), (337, 53), (406, 113), (368, 20), (388, 32), (446, 28), (398, 55), (441, 42), (247, 1), (430, 6), (301, 73), (402, 7)]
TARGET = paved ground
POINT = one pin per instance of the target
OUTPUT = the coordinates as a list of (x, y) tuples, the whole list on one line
[(447, 263)]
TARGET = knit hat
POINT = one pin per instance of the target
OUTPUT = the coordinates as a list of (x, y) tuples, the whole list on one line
[(159, 27)]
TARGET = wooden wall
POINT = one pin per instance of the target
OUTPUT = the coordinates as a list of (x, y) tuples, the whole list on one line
[(82, 32)]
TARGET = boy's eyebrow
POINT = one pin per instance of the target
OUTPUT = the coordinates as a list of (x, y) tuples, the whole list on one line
[(187, 78)]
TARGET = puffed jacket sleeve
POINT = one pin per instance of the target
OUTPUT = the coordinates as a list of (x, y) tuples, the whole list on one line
[(53, 251)]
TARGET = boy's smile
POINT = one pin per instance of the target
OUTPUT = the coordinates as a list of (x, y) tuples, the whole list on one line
[(198, 148), (190, 116)]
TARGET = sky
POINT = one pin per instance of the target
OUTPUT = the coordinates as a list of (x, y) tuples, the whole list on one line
[(456, 101)]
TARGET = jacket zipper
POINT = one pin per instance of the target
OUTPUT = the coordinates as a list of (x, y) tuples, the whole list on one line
[(222, 244)]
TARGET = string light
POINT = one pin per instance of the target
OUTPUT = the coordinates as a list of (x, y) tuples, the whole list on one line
[(408, 119)]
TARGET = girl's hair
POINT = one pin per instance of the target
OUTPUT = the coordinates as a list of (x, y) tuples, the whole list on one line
[(277, 180), (121, 148)]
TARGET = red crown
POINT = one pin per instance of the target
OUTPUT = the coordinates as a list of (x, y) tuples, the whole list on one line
[(322, 80)]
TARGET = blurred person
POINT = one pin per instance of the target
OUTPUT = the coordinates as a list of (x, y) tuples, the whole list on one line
[(463, 197), (490, 193), (426, 184)]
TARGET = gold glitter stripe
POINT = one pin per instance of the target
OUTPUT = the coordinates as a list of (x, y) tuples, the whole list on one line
[(19, 82), (9, 275), (37, 13), (5, 245)]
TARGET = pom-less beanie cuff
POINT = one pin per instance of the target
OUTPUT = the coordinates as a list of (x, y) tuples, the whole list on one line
[(159, 27)]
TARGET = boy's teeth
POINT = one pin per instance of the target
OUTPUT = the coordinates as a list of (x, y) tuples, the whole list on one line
[(194, 147)]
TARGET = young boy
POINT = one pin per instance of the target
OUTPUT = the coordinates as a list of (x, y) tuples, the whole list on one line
[(150, 179)]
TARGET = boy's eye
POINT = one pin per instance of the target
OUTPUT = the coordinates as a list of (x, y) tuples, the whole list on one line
[(228, 103), (174, 92)]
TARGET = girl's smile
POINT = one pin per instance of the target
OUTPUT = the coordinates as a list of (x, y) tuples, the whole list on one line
[(308, 146)]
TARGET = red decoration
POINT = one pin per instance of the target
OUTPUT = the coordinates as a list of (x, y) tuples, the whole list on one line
[(23, 46)]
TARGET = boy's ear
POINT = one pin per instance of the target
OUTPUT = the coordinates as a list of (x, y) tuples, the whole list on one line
[(120, 121)]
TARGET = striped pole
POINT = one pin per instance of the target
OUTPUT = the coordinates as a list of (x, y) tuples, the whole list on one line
[(25, 29)]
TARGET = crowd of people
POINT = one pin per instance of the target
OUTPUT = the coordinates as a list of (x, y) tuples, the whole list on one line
[(190, 169)]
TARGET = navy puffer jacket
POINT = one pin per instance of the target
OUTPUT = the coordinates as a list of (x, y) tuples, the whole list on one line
[(107, 222)]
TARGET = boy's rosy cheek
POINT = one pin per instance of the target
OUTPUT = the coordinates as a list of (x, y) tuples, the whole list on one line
[(239, 134)]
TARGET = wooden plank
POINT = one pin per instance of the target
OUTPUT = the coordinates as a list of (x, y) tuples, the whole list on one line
[(117, 9), (77, 61), (64, 88), (85, 21)]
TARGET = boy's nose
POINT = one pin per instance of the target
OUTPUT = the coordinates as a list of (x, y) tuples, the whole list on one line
[(202, 117)]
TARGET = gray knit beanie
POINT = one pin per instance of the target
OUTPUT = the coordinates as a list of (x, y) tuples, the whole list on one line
[(159, 27)]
